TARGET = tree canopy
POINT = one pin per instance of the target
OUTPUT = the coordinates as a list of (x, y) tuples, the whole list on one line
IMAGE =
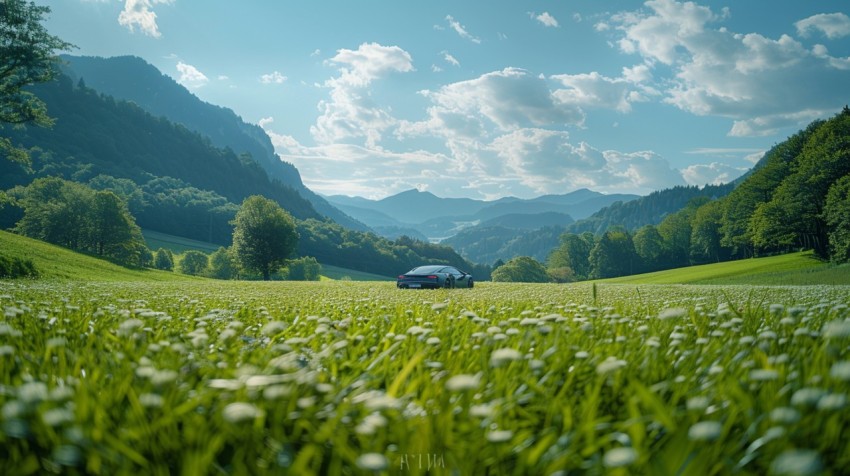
[(264, 235), (27, 57)]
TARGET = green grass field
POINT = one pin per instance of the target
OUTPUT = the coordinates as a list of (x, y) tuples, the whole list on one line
[(176, 244), (790, 269), (57, 263), (362, 378), (156, 240), (104, 370)]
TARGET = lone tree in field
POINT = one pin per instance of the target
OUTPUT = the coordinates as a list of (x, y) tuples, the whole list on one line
[(264, 235), (26, 58)]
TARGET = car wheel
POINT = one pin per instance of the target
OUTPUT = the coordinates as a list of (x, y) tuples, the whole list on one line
[(449, 283), (471, 283)]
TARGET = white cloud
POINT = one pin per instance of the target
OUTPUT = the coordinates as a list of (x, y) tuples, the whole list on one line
[(461, 30), (715, 173), (546, 162), (507, 100), (351, 112), (448, 58), (595, 90), (190, 76), (139, 13), (832, 25), (762, 84), (273, 78), (546, 19), (223, 77)]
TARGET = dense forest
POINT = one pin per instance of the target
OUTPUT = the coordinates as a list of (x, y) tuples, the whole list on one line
[(175, 181), (798, 198), (132, 79)]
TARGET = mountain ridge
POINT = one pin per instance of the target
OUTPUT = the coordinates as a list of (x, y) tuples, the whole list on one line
[(133, 79)]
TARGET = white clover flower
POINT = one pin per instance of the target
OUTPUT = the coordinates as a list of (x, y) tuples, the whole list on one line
[(499, 436), (705, 431), (240, 411), (482, 411), (129, 326), (807, 396), (610, 365), (500, 357), (33, 392), (439, 306), (784, 415), (763, 375), (840, 370), (273, 328), (372, 462), (618, 457), (797, 463), (698, 404), (463, 382), (57, 417), (151, 400), (832, 402), (672, 313), (6, 350)]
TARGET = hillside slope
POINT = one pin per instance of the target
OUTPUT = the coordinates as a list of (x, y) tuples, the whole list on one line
[(133, 79), (57, 263)]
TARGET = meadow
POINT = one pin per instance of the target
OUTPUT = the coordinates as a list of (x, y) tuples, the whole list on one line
[(334, 377)]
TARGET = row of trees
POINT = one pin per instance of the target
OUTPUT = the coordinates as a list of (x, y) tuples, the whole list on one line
[(797, 198)]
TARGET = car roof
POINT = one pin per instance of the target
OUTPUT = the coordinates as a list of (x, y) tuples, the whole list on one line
[(429, 268)]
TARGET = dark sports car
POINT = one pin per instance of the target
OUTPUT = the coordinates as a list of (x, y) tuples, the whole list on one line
[(434, 276)]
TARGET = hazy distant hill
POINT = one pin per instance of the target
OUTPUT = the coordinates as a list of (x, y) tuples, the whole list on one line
[(133, 79), (439, 218)]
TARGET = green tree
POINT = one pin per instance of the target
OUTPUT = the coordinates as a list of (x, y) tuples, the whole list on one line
[(264, 235), (649, 246), (27, 57), (193, 262), (837, 217), (573, 253), (613, 255), (706, 235), (113, 229), (304, 269), (163, 259), (522, 269), (221, 264)]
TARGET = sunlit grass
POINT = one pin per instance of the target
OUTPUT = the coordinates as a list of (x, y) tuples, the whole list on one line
[(343, 377)]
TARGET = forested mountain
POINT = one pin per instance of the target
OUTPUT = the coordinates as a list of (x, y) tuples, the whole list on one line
[(797, 198), (95, 135), (648, 210), (133, 79), (488, 244), (175, 181)]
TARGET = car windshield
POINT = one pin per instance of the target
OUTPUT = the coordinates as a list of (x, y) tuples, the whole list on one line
[(426, 270)]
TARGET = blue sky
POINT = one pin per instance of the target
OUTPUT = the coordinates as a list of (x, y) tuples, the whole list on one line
[(486, 99)]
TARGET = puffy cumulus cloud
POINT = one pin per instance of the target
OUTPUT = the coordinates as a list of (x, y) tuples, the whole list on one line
[(546, 19), (372, 172), (596, 90), (190, 76), (139, 13), (507, 100), (545, 161), (461, 30), (761, 83), (274, 77), (832, 25), (714, 173), (351, 112)]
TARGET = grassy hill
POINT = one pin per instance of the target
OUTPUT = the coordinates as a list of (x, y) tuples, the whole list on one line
[(789, 269), (177, 244), (55, 262)]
